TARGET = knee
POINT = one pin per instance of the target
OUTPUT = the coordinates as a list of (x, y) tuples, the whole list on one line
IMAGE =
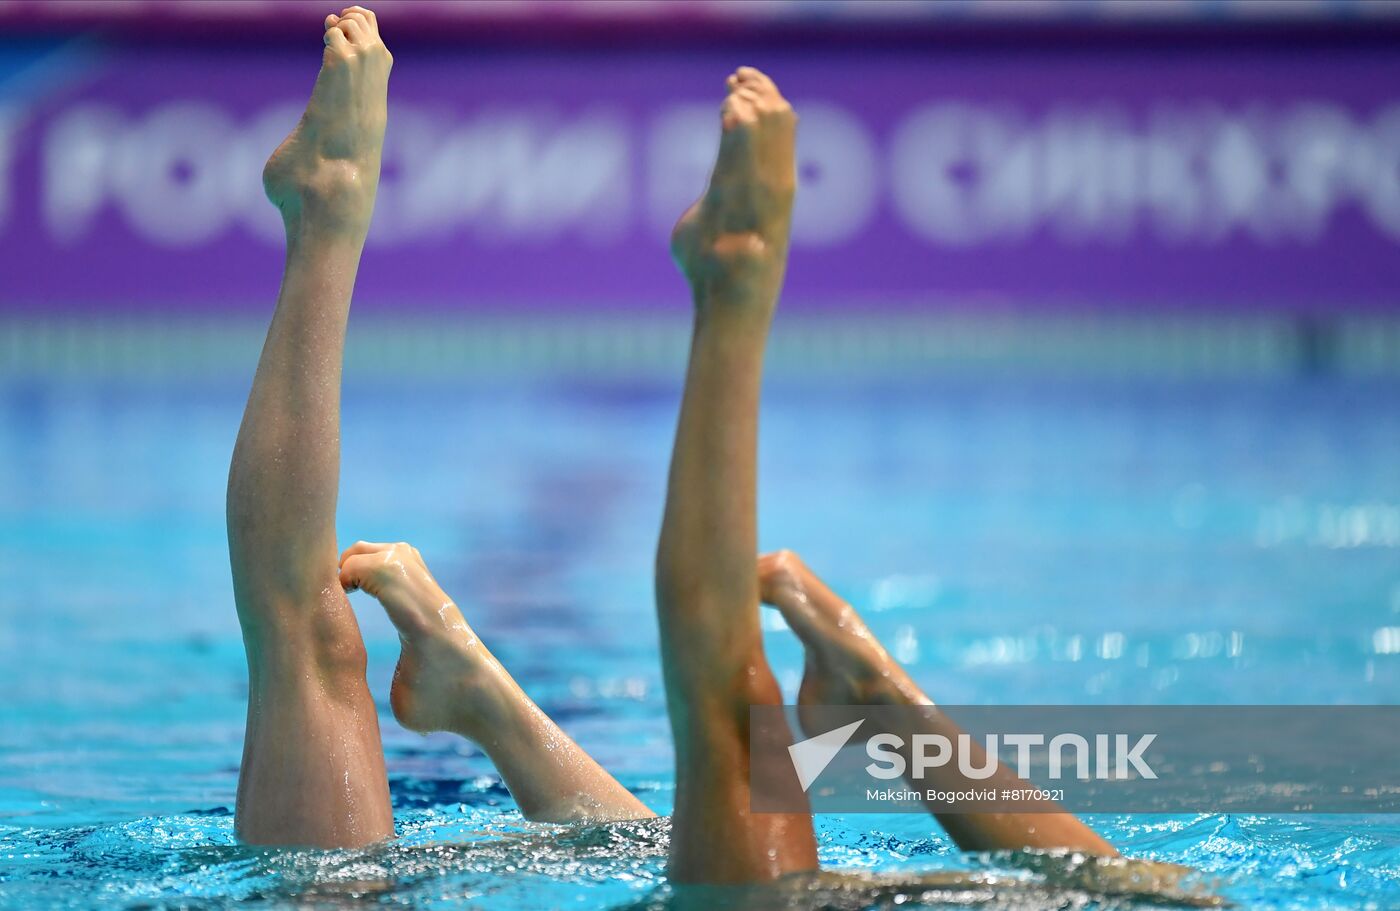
[(303, 634), (759, 686), (751, 683), (335, 640)]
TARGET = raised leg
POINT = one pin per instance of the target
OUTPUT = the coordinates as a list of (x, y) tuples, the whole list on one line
[(313, 767), (732, 247), (846, 665), (447, 680)]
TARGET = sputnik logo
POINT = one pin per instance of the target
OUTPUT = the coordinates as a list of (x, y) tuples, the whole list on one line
[(810, 757)]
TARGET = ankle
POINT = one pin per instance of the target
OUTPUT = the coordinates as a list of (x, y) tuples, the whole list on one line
[(749, 288), (482, 695), (332, 196), (873, 676), (492, 706)]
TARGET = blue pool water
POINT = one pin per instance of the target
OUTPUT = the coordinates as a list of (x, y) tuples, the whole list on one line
[(1240, 540)]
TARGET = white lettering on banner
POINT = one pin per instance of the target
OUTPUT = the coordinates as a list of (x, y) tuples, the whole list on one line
[(1381, 164), (76, 165), (10, 120), (181, 174), (1088, 174), (934, 187), (838, 172), (955, 173), (681, 149), (509, 175), (963, 175), (170, 169)]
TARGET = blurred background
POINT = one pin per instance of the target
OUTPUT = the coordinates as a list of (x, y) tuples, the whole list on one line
[(1083, 387), (1116, 158)]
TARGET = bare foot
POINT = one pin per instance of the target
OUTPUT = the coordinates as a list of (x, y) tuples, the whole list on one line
[(329, 166), (845, 663), (446, 679), (732, 243)]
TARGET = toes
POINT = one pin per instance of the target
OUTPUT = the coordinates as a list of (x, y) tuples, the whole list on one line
[(366, 26), (751, 95), (335, 38), (355, 28), (747, 75), (353, 573), (361, 30), (367, 14), (738, 110), (362, 547)]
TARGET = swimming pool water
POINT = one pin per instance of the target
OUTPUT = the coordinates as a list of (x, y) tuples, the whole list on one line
[(1013, 542)]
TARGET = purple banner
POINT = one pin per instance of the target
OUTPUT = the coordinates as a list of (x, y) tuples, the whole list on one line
[(1248, 178), (465, 17)]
